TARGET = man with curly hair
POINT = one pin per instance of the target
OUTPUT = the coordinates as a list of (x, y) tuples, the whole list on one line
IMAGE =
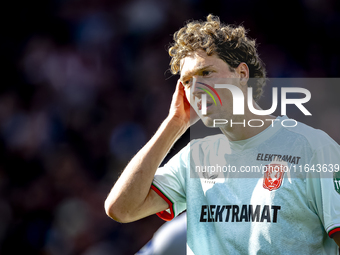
[(272, 212)]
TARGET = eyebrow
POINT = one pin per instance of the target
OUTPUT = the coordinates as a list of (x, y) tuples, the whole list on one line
[(196, 71)]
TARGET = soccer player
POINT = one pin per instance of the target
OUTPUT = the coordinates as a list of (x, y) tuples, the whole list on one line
[(229, 211)]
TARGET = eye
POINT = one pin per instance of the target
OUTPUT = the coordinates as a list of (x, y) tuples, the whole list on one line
[(187, 83), (206, 73)]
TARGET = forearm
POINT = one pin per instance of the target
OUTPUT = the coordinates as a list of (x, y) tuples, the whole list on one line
[(133, 186)]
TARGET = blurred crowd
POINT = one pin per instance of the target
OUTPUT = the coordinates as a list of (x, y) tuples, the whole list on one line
[(85, 83)]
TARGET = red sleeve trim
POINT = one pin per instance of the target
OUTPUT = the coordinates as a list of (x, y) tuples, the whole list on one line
[(331, 233), (164, 215)]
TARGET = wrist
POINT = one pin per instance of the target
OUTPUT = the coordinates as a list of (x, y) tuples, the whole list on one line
[(176, 124)]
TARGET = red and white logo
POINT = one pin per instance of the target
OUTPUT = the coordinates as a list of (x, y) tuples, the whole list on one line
[(273, 177)]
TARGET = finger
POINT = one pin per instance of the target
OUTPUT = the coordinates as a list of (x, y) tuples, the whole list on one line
[(179, 85), (178, 88), (180, 92)]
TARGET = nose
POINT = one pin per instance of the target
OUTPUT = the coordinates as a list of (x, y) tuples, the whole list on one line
[(195, 91)]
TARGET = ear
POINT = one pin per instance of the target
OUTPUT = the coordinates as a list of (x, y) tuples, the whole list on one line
[(243, 72)]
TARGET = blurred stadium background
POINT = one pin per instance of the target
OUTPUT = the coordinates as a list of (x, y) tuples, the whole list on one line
[(85, 83)]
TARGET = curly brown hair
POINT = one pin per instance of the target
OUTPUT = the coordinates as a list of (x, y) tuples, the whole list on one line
[(228, 42)]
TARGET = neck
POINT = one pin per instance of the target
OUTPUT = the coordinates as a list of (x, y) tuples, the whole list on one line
[(241, 130)]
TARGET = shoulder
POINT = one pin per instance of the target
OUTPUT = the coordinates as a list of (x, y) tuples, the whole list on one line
[(315, 138), (209, 142)]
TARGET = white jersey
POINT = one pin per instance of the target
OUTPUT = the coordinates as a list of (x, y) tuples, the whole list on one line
[(290, 206)]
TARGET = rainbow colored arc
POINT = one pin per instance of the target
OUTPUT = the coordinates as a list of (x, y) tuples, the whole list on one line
[(212, 89)]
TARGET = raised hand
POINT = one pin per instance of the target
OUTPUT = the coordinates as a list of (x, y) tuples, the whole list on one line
[(180, 108)]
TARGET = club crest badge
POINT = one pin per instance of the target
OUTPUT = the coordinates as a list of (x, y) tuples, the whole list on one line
[(273, 177), (336, 179)]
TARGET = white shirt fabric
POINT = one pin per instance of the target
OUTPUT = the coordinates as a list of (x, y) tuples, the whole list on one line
[(266, 212)]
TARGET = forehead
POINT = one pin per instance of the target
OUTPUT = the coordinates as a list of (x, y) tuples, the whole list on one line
[(199, 60)]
